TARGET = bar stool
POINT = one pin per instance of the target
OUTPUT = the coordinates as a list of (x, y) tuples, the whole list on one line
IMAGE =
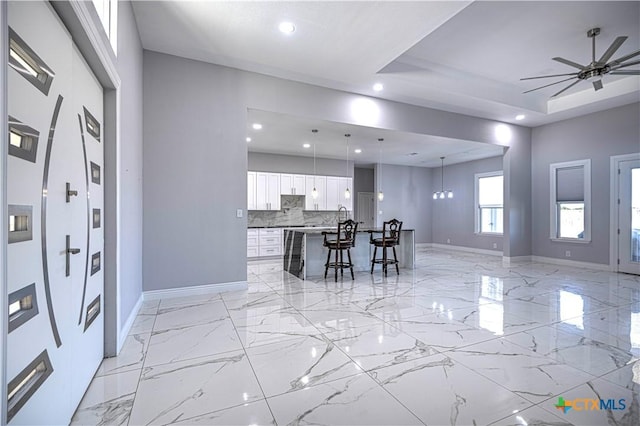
[(345, 239), (390, 238)]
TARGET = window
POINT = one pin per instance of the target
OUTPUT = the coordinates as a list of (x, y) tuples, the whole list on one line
[(108, 13), (26, 62), (570, 201), (489, 202)]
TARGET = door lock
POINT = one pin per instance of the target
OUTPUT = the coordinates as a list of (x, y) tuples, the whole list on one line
[(68, 252), (71, 192)]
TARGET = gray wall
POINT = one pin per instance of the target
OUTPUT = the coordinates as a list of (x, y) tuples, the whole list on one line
[(454, 218), (194, 174), (407, 197), (278, 163), (129, 66), (363, 181), (195, 161), (598, 137)]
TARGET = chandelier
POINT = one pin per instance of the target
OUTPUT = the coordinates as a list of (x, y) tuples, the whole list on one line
[(442, 194)]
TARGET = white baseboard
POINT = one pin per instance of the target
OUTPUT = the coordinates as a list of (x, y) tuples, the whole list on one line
[(572, 263), (515, 260), (195, 290), (465, 249), (126, 328)]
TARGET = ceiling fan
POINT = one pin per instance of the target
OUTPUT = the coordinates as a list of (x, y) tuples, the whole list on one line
[(596, 69)]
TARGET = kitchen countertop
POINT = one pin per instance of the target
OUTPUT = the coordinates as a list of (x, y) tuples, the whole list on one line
[(320, 230), (287, 226)]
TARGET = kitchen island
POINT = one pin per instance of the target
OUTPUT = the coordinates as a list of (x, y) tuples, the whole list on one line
[(305, 256)]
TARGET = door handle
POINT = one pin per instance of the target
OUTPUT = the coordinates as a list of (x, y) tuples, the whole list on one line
[(70, 192), (68, 252)]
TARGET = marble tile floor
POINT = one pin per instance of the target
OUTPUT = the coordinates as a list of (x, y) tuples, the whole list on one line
[(460, 340)]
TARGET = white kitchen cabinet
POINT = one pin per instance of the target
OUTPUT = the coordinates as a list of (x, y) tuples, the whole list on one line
[(253, 244), (336, 189), (270, 241), (267, 191), (333, 196), (343, 184), (320, 183), (251, 190), (264, 242), (292, 184)]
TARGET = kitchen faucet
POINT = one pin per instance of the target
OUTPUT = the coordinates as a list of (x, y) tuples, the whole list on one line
[(346, 213)]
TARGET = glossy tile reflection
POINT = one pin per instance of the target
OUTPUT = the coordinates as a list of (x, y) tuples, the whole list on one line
[(459, 340)]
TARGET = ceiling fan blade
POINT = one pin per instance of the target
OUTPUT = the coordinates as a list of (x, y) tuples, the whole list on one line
[(628, 64), (597, 84), (547, 76), (631, 72), (568, 87), (547, 85), (570, 63), (621, 59), (612, 49)]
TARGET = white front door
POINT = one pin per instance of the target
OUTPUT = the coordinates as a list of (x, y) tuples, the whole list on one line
[(55, 196), (629, 217)]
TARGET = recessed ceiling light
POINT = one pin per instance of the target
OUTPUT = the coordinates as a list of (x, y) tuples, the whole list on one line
[(286, 27), (357, 151), (248, 139), (257, 126), (306, 145), (378, 87), (520, 117)]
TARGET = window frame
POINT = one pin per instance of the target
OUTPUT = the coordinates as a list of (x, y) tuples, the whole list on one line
[(477, 208), (108, 13), (554, 214)]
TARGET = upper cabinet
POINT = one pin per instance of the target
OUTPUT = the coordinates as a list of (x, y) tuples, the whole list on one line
[(292, 184), (320, 184), (333, 197), (267, 191), (336, 189), (343, 184), (251, 190), (264, 190)]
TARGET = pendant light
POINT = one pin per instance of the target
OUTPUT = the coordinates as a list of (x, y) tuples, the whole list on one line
[(314, 193), (442, 194), (347, 193), (380, 193)]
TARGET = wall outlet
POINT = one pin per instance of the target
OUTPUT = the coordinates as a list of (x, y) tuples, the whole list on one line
[(567, 253), (239, 213), (448, 241), (495, 245)]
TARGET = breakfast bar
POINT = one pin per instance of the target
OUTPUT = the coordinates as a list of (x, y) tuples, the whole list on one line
[(305, 256)]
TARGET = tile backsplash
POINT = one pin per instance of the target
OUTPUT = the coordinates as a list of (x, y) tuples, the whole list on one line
[(291, 213)]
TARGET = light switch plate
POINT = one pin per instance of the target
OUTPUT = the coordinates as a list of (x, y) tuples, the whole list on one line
[(239, 213)]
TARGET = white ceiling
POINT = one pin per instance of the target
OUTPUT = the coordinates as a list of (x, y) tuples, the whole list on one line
[(286, 134), (458, 56)]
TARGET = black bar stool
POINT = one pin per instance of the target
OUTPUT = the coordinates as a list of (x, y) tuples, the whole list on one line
[(345, 239), (390, 238)]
